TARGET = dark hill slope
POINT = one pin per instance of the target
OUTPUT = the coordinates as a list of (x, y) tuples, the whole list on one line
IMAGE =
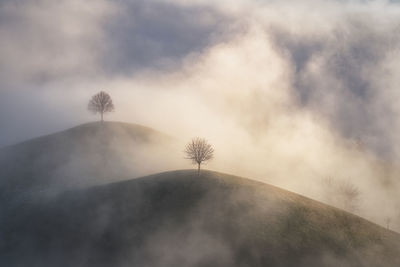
[(87, 154), (179, 219)]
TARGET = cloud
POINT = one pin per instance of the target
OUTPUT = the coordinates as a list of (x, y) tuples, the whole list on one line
[(54, 51), (158, 34), (43, 41), (339, 75), (294, 91)]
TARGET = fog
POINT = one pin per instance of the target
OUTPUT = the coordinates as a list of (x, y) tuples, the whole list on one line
[(288, 92)]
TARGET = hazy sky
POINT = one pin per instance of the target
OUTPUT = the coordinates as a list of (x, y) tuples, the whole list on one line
[(341, 58), (296, 88)]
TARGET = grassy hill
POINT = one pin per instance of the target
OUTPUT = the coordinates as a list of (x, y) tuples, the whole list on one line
[(85, 155), (179, 219)]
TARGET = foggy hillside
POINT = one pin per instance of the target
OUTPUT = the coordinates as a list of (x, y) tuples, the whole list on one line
[(88, 154), (300, 97), (179, 219)]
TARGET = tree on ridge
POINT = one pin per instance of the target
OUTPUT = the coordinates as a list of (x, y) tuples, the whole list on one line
[(199, 151), (101, 103)]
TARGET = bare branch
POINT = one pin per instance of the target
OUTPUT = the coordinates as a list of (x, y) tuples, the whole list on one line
[(198, 150), (101, 103)]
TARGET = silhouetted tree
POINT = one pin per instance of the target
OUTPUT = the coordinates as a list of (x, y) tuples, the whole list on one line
[(101, 103), (341, 193), (199, 151), (349, 194), (388, 221)]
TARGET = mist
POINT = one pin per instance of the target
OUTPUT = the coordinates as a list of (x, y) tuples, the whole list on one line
[(288, 92)]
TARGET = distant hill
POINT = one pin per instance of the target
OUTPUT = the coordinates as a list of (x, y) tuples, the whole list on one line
[(179, 219), (85, 155)]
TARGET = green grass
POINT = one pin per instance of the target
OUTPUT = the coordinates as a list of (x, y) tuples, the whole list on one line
[(179, 219), (84, 155)]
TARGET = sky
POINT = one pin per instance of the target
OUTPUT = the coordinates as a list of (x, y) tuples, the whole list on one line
[(296, 91)]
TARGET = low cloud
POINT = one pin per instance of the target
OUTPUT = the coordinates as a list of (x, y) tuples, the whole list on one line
[(289, 92)]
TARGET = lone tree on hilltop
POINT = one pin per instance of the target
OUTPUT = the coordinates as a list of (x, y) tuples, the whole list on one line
[(101, 103), (199, 151)]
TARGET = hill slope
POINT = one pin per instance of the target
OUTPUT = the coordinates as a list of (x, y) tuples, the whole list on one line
[(179, 219), (88, 154)]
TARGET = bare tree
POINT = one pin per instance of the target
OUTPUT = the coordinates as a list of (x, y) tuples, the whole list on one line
[(101, 103), (341, 193), (349, 195), (199, 151), (388, 221)]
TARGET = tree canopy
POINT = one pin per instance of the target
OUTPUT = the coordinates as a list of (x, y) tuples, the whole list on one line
[(101, 103), (199, 151)]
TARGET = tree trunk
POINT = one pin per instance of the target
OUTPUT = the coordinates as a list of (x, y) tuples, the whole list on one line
[(101, 116), (198, 169)]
